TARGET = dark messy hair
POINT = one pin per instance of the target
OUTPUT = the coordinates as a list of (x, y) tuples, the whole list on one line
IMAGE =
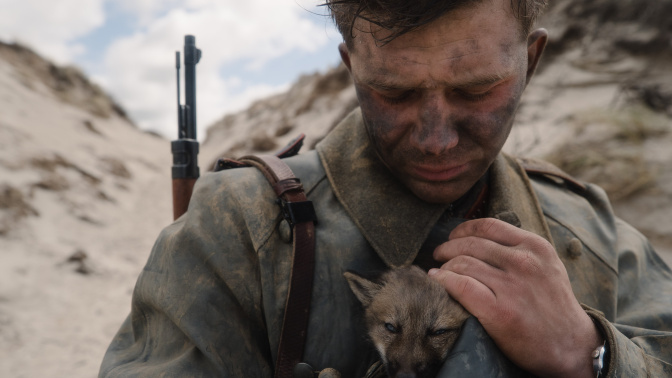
[(402, 16)]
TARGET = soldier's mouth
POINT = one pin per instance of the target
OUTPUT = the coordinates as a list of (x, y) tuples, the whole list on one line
[(439, 173)]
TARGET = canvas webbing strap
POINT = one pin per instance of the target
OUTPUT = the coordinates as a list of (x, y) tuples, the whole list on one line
[(300, 214)]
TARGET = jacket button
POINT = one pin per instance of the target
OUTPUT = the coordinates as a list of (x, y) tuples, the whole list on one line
[(285, 231), (303, 370), (329, 373), (574, 249)]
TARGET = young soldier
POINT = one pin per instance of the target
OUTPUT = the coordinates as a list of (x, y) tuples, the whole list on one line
[(544, 265)]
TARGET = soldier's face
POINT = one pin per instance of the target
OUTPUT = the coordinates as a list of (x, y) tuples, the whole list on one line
[(438, 103)]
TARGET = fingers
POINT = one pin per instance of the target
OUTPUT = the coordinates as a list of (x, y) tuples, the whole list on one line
[(491, 229), (473, 295), (496, 243), (479, 270), (485, 250)]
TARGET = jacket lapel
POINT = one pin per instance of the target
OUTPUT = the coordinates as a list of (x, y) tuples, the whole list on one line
[(391, 218), (511, 193)]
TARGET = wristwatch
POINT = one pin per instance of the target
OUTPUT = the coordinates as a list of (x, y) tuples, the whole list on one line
[(598, 356)]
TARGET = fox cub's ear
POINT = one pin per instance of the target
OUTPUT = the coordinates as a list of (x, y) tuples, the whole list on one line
[(364, 289)]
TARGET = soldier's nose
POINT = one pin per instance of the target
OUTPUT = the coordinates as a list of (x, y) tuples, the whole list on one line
[(434, 133)]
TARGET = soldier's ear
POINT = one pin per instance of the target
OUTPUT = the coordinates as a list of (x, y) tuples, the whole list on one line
[(364, 289), (345, 55), (536, 42)]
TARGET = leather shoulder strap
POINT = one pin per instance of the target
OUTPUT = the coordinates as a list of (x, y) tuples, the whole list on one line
[(291, 149), (300, 214)]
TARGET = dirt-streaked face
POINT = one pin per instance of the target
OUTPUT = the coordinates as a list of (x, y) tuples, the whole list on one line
[(438, 103)]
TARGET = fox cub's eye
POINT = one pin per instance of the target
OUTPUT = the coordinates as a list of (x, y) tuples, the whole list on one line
[(391, 328), (437, 332)]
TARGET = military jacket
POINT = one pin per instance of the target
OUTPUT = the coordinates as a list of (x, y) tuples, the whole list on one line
[(210, 300)]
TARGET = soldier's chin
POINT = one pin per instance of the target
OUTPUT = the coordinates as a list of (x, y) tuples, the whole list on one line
[(437, 192)]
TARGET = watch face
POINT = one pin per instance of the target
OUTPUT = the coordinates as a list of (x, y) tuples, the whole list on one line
[(598, 360)]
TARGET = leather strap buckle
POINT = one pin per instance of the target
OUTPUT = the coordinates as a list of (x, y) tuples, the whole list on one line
[(297, 212)]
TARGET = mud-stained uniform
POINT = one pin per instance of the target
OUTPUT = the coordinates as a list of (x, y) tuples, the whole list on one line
[(210, 300)]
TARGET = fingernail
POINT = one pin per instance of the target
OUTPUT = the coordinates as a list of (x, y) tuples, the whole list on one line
[(432, 271)]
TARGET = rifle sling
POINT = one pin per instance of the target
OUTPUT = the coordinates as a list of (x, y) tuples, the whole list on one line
[(299, 212)]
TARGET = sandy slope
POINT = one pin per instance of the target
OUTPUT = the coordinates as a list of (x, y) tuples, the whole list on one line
[(70, 181)]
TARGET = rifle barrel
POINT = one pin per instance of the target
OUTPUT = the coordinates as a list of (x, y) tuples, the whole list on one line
[(192, 56), (180, 114)]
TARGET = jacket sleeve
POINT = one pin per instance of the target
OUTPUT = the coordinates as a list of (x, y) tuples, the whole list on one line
[(197, 306), (619, 274), (640, 338)]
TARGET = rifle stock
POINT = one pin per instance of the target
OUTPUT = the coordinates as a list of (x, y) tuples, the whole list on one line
[(185, 169), (182, 190)]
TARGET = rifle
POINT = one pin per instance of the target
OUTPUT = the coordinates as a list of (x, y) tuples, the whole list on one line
[(185, 170)]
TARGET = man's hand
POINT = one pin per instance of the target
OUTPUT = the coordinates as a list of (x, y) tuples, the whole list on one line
[(515, 284)]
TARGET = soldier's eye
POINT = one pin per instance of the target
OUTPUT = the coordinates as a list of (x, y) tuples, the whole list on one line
[(437, 332), (391, 328), (397, 96), (474, 97)]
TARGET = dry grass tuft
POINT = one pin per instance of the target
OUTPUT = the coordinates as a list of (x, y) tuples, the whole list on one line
[(12, 199), (68, 84), (634, 123), (328, 86), (116, 167), (88, 124), (13, 207), (262, 142), (608, 149), (53, 182), (284, 128), (50, 164)]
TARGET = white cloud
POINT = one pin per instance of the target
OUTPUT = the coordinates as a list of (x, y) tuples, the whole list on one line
[(147, 10), (228, 31), (138, 68), (50, 27)]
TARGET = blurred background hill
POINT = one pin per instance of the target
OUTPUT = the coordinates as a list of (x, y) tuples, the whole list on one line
[(84, 192)]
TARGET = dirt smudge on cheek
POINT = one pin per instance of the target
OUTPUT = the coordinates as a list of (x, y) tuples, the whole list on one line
[(378, 120), (488, 130), (506, 57), (492, 129)]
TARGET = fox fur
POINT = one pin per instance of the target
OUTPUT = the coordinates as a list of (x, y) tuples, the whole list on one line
[(411, 320)]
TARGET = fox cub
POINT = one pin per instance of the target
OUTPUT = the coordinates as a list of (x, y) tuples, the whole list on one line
[(411, 320)]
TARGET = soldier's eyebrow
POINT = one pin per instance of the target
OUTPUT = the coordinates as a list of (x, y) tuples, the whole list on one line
[(485, 80), (477, 81), (384, 85)]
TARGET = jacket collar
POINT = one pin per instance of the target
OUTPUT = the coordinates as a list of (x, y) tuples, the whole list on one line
[(392, 219)]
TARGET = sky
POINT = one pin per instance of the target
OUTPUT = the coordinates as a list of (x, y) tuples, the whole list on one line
[(250, 49)]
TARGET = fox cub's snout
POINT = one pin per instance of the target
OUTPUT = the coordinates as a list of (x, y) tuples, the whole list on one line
[(411, 320)]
